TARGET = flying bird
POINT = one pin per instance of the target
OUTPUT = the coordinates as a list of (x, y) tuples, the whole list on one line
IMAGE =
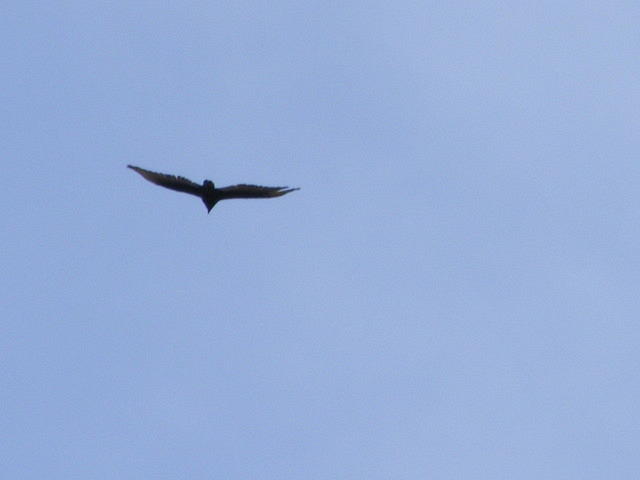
[(208, 192)]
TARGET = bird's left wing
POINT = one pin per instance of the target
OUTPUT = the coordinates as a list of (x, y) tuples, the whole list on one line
[(173, 182), (252, 191)]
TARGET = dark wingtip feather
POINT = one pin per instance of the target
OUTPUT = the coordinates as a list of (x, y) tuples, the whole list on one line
[(284, 191)]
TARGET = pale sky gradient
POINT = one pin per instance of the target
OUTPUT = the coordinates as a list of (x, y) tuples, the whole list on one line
[(453, 293)]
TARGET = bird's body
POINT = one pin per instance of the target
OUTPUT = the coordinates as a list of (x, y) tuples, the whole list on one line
[(209, 194)]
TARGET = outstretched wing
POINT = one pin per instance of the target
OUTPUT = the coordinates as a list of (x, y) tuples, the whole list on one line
[(180, 184), (252, 191)]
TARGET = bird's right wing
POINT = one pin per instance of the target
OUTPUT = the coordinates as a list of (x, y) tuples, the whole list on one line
[(173, 182), (252, 191)]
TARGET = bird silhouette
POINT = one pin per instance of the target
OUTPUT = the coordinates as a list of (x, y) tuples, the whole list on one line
[(208, 192)]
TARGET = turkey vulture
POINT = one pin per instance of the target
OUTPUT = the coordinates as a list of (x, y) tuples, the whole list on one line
[(209, 194)]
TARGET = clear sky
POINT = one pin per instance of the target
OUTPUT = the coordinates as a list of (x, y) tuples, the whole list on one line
[(453, 293)]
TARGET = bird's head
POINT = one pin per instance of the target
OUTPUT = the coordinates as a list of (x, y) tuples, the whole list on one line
[(208, 184)]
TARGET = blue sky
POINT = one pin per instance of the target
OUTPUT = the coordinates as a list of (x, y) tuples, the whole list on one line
[(453, 293)]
